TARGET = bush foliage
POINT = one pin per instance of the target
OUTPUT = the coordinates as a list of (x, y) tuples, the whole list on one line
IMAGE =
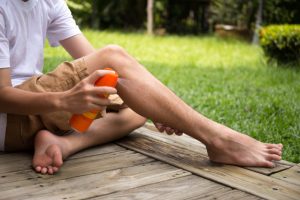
[(281, 42)]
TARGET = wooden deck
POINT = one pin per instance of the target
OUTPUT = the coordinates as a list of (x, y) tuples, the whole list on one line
[(147, 165)]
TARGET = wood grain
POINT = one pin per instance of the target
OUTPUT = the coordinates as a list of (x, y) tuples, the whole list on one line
[(13, 162), (75, 168), (291, 175), (97, 184), (188, 187), (236, 177)]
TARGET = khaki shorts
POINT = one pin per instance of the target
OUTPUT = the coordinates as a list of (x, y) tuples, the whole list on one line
[(21, 129)]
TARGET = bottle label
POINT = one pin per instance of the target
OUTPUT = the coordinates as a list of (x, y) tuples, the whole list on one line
[(90, 115)]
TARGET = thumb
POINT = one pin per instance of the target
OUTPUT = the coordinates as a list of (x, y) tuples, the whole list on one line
[(98, 74)]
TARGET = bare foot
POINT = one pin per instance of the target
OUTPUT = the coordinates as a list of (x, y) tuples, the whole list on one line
[(50, 150), (239, 149)]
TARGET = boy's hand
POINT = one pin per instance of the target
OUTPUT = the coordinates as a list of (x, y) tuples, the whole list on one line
[(161, 127), (85, 96)]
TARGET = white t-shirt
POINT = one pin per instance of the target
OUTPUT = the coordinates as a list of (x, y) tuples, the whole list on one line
[(24, 27)]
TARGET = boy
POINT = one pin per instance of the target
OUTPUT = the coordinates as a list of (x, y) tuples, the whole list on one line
[(36, 108)]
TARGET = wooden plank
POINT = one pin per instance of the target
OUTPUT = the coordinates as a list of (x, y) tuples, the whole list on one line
[(236, 177), (170, 189), (284, 162), (228, 195), (11, 157), (98, 150), (97, 184), (188, 187), (15, 165), (13, 162), (251, 198), (192, 144), (75, 168), (291, 175), (106, 148)]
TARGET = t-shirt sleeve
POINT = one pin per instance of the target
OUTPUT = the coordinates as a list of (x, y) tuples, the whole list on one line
[(62, 24), (4, 45)]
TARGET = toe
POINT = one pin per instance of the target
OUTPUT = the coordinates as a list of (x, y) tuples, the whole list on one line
[(268, 164), (57, 161), (275, 146), (38, 168), (274, 151), (271, 146), (50, 170), (55, 169), (44, 170), (274, 157)]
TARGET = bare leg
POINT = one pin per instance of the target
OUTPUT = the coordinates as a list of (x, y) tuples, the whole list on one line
[(143, 93), (51, 150)]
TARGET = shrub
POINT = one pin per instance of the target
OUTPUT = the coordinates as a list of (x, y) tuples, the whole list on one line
[(281, 43)]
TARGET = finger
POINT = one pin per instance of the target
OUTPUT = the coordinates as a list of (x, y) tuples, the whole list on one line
[(157, 123), (100, 101), (98, 74), (103, 90), (160, 128), (169, 130), (177, 132)]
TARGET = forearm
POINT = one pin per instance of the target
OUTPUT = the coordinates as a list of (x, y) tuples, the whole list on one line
[(18, 101), (83, 97)]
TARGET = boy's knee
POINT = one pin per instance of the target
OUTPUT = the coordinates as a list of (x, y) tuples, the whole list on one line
[(140, 121), (130, 117), (137, 121), (113, 50), (116, 58)]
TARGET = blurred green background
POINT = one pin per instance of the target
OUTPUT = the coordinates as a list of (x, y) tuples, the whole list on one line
[(183, 16)]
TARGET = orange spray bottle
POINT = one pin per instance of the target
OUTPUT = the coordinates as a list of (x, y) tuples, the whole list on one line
[(81, 122)]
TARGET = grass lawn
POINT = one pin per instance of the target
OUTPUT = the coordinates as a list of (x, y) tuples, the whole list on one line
[(226, 80)]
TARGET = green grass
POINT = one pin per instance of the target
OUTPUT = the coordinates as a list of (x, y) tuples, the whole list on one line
[(226, 80)]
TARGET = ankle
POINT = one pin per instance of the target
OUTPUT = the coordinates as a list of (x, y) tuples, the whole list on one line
[(214, 134), (65, 147)]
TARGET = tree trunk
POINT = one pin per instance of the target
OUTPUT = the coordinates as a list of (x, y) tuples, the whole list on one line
[(95, 17), (150, 16), (255, 39)]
